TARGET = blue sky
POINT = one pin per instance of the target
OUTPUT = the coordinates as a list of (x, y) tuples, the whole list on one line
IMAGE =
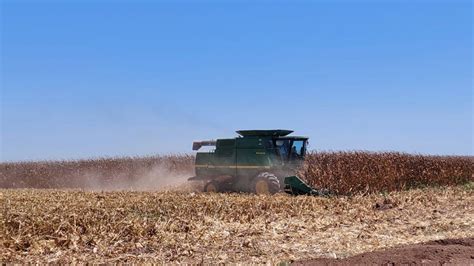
[(87, 79)]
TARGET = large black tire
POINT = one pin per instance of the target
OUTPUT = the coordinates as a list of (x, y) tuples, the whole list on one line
[(212, 186), (266, 183)]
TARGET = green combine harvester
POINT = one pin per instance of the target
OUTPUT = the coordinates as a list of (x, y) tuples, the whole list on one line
[(258, 161)]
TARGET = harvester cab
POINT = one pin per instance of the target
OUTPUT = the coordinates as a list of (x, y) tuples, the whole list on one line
[(258, 161)]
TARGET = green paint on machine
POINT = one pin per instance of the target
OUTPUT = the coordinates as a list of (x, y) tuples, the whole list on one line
[(258, 161)]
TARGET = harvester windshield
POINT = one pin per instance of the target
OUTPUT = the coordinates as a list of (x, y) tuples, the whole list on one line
[(289, 149), (298, 148)]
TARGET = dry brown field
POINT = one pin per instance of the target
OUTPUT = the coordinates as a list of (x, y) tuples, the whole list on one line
[(143, 210), (79, 226)]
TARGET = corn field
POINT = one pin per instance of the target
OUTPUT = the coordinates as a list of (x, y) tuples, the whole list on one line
[(355, 172), (92, 173), (340, 172), (63, 226)]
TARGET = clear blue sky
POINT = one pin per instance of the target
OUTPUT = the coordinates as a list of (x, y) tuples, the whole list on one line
[(86, 79)]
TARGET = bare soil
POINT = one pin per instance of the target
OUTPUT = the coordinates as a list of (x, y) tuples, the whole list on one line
[(438, 252)]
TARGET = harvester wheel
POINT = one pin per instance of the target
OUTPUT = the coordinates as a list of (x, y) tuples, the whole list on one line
[(211, 186), (266, 183)]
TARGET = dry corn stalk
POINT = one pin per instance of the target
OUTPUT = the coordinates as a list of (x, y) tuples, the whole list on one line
[(340, 172)]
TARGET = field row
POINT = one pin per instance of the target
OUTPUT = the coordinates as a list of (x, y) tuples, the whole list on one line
[(355, 172), (75, 226), (340, 172)]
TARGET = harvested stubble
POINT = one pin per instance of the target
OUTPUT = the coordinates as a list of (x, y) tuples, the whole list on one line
[(73, 226)]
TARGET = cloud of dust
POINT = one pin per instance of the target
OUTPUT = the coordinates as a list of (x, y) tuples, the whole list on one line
[(158, 178)]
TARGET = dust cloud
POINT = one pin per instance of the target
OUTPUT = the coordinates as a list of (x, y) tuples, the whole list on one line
[(157, 178)]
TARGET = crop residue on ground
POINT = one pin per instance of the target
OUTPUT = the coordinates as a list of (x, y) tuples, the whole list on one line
[(67, 226)]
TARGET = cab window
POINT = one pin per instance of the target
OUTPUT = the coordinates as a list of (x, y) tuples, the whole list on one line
[(297, 148)]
